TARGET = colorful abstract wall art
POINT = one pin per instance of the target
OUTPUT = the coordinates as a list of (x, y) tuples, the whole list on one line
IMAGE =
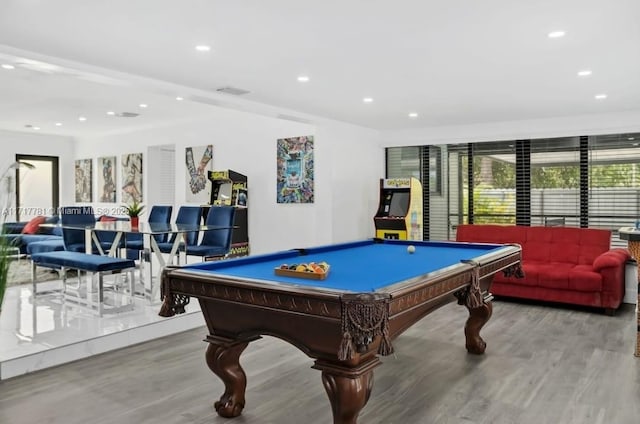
[(198, 162), (84, 185), (131, 178), (295, 170), (107, 179)]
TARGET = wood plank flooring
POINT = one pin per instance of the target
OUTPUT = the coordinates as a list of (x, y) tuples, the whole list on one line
[(543, 365)]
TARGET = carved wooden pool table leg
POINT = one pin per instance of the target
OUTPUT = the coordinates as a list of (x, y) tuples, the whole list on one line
[(223, 358), (348, 388), (478, 317)]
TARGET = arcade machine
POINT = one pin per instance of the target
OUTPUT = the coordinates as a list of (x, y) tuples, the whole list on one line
[(230, 188), (399, 214)]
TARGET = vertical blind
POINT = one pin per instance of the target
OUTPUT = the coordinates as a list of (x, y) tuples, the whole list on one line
[(614, 182), (425, 164), (555, 181), (577, 181)]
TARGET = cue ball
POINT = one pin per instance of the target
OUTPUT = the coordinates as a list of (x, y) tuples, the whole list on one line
[(411, 249)]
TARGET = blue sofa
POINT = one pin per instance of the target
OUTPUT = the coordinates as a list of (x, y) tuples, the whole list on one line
[(52, 237), (49, 239)]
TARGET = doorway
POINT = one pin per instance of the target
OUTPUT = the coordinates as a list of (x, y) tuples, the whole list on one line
[(161, 175), (37, 190)]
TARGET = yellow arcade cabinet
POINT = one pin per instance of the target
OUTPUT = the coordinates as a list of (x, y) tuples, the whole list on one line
[(399, 213), (230, 188)]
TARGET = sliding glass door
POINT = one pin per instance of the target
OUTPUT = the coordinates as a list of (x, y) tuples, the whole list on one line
[(37, 189)]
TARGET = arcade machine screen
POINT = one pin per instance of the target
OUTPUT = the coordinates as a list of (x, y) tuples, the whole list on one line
[(399, 204), (225, 193)]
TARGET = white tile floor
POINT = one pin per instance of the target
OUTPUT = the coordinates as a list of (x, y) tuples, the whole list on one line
[(49, 331)]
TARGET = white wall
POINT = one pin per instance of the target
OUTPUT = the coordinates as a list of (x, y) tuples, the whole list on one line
[(12, 143), (354, 186), (348, 164)]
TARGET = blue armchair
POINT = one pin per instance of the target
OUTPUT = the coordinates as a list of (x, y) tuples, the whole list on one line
[(158, 215), (107, 238), (75, 215), (189, 215), (215, 243)]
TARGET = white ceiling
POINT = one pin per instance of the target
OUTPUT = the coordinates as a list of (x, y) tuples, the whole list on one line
[(38, 95), (452, 61)]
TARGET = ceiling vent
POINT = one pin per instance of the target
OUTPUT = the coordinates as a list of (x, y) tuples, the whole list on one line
[(294, 119), (127, 115), (205, 100), (232, 90)]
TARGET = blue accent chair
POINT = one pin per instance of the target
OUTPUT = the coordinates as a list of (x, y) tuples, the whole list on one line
[(76, 215), (215, 243), (108, 237), (189, 215), (158, 215)]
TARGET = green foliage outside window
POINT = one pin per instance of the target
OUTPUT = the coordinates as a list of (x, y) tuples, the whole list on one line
[(615, 175), (490, 209), (555, 177), (491, 175)]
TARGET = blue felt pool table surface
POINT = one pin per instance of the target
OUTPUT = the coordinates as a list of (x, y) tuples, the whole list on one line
[(363, 266)]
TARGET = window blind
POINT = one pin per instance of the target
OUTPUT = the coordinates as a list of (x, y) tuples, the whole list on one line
[(614, 182), (555, 182), (581, 181), (493, 183)]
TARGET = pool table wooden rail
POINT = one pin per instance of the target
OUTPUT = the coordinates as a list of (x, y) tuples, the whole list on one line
[(344, 332)]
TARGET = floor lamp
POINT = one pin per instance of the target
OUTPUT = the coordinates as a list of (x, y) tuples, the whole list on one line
[(5, 196), (5, 190)]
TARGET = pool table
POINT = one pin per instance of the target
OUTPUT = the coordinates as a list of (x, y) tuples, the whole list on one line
[(374, 290)]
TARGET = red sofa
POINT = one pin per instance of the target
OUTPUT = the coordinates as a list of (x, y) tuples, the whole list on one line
[(561, 264)]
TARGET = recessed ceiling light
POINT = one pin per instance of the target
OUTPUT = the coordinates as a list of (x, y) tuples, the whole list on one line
[(179, 98), (111, 113), (58, 124), (367, 100), (303, 78), (82, 118), (203, 48), (7, 66), (413, 115), (584, 73), (143, 105), (36, 128), (556, 34), (600, 96)]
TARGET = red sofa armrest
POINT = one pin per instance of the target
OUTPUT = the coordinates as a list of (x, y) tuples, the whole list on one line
[(611, 259), (611, 265)]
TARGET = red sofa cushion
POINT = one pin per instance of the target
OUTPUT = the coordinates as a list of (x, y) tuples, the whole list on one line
[(490, 234), (33, 225), (554, 275), (584, 278), (565, 245), (536, 244), (592, 244)]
